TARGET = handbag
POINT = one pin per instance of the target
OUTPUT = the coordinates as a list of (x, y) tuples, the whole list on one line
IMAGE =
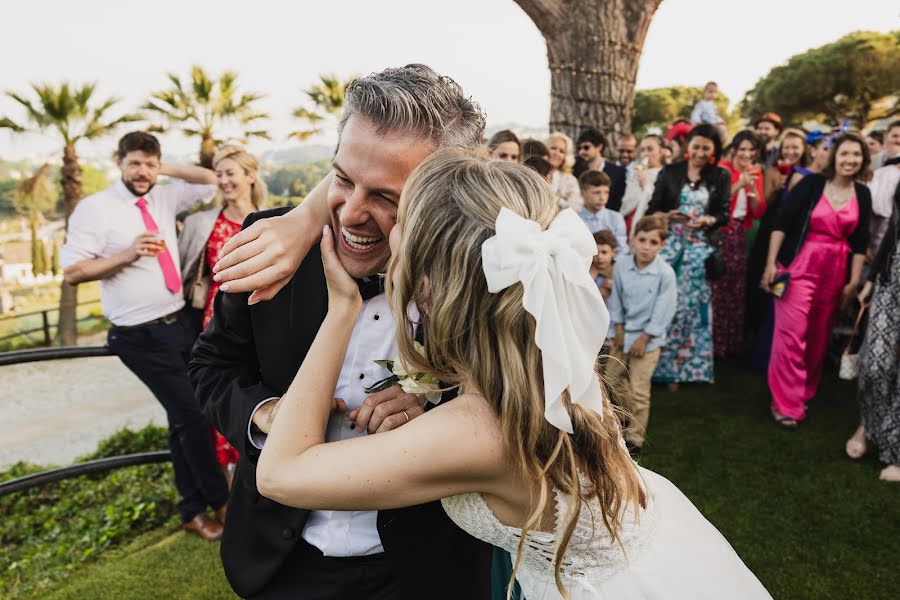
[(715, 266), (849, 368), (199, 289)]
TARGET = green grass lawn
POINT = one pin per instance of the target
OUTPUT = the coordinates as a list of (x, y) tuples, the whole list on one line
[(808, 521)]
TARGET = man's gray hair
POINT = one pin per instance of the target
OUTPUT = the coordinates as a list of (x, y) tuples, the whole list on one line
[(415, 99)]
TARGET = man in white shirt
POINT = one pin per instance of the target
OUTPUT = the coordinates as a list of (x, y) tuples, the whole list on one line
[(125, 236)]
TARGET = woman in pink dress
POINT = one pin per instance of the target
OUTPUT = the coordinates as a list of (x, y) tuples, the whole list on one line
[(241, 192), (824, 221)]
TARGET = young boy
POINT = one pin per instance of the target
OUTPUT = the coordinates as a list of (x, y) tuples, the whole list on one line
[(595, 194), (602, 265), (641, 307)]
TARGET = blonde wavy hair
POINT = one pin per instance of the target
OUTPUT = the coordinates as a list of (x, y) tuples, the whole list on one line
[(249, 164), (569, 162), (447, 210)]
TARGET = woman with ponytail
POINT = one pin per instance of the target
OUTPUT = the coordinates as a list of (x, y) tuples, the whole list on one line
[(529, 456)]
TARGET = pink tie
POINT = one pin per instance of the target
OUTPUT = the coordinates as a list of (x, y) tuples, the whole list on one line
[(170, 273)]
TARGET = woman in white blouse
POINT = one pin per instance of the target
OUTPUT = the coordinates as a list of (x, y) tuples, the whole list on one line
[(639, 185), (562, 182)]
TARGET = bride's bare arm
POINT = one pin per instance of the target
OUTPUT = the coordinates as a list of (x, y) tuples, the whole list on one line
[(263, 258), (451, 449)]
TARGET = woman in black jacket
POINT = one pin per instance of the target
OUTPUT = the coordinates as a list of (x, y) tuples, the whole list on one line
[(695, 195), (825, 219), (879, 358)]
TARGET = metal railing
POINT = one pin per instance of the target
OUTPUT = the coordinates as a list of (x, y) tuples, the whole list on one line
[(77, 470), (46, 325)]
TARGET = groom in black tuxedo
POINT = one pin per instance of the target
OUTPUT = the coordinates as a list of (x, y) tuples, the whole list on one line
[(249, 355)]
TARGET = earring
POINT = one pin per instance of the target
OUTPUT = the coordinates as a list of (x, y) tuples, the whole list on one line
[(686, 155), (712, 160)]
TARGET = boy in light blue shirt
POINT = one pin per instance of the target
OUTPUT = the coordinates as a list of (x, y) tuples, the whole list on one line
[(595, 187), (641, 308)]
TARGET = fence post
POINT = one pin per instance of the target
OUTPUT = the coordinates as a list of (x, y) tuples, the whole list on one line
[(46, 327)]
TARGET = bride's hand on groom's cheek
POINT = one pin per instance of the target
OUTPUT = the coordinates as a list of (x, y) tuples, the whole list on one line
[(342, 289), (386, 410)]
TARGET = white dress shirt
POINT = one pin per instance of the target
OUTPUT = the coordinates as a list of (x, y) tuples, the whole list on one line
[(609, 220), (351, 532), (107, 222), (354, 533)]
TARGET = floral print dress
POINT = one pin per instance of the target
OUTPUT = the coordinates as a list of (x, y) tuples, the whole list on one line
[(688, 353)]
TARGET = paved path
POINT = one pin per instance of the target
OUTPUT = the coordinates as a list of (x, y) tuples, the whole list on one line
[(56, 410)]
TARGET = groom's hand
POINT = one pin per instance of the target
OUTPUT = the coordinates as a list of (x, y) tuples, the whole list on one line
[(386, 410)]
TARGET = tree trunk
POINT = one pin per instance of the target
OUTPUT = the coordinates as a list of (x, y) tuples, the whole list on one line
[(207, 151), (66, 333), (594, 49)]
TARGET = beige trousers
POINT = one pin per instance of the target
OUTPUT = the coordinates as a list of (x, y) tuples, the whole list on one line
[(635, 388)]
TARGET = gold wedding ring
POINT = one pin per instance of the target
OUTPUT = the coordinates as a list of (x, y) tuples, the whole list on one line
[(405, 414)]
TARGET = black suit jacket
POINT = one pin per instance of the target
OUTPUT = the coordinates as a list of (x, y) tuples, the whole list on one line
[(793, 216), (670, 181), (616, 181), (250, 353)]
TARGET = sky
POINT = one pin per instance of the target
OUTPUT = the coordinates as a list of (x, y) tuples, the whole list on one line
[(279, 47)]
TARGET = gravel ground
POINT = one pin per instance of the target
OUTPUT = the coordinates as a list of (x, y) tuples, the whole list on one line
[(56, 410)]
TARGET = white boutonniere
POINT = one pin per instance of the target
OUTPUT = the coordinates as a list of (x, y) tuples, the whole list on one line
[(426, 387)]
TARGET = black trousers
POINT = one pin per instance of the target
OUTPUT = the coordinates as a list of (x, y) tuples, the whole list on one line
[(158, 354), (309, 575)]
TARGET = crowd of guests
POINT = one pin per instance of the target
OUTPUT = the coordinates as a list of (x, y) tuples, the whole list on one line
[(705, 250), (754, 245)]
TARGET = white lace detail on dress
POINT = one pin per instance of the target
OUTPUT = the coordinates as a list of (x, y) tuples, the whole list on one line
[(591, 558)]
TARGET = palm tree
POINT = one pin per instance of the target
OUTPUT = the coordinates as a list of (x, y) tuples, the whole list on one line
[(327, 98), (68, 111), (201, 106)]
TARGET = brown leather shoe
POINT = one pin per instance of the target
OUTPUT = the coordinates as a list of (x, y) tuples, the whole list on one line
[(221, 512), (204, 526)]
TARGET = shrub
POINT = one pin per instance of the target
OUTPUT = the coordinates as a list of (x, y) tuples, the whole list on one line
[(48, 532)]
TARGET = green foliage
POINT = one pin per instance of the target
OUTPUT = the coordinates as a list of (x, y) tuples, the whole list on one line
[(659, 107), (68, 110), (36, 194), (201, 105), (326, 99), (7, 196), (93, 180), (296, 180), (48, 532), (853, 77), (38, 252), (55, 269)]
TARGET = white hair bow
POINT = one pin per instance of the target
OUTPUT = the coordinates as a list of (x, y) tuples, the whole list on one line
[(572, 320)]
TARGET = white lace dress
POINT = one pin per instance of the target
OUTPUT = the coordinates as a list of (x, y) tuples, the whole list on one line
[(673, 552)]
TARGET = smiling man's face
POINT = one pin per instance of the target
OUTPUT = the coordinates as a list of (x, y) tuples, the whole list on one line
[(369, 173)]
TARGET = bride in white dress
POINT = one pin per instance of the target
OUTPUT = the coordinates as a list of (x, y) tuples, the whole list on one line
[(530, 456)]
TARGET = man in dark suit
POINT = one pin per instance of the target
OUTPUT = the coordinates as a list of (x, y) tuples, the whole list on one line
[(590, 146), (249, 355)]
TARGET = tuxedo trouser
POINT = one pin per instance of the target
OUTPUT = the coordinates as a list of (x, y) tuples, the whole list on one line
[(158, 355), (309, 575)]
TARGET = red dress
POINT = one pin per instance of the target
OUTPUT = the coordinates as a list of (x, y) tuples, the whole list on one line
[(223, 230)]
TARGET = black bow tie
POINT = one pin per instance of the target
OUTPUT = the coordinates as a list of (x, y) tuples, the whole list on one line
[(892, 161), (369, 287)]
